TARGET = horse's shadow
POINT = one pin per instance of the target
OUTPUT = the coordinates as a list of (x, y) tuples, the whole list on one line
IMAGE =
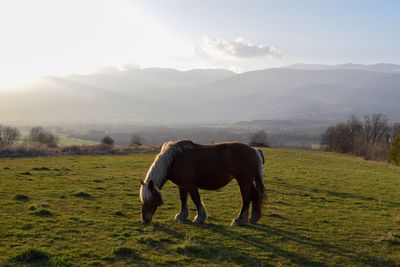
[(210, 252), (243, 258), (261, 244)]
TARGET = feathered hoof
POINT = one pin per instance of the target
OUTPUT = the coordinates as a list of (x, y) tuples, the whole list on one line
[(181, 217), (199, 219), (239, 222), (254, 219)]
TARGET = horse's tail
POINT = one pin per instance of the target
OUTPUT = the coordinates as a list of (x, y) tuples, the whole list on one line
[(260, 187)]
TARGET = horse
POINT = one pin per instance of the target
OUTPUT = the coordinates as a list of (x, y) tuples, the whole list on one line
[(193, 166)]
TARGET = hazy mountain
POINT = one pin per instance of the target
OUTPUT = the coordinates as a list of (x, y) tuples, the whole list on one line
[(380, 67), (167, 95)]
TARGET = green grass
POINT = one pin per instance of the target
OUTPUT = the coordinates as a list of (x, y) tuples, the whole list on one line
[(64, 140), (324, 209), (69, 141)]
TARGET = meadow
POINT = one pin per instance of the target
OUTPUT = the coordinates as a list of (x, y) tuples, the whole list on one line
[(323, 209)]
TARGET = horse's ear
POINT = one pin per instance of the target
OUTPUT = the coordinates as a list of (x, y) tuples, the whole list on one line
[(141, 182), (151, 185)]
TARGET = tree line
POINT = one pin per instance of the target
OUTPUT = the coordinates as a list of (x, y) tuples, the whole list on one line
[(37, 135), (371, 138)]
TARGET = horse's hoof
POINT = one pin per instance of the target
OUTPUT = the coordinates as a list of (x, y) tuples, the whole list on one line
[(199, 220), (254, 219), (181, 217), (238, 222)]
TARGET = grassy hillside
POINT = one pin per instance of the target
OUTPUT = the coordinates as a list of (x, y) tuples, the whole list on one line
[(69, 141), (323, 209), (63, 140)]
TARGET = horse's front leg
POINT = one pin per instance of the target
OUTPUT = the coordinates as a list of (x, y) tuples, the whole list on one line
[(201, 210), (184, 213)]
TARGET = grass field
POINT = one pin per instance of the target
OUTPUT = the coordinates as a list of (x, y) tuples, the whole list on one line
[(64, 140), (69, 141), (324, 209)]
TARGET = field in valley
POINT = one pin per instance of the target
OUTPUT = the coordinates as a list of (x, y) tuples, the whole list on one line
[(323, 209)]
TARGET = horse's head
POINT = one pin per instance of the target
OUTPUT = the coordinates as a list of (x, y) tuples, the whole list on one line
[(151, 199)]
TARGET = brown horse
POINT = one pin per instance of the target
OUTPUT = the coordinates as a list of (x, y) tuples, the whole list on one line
[(192, 166)]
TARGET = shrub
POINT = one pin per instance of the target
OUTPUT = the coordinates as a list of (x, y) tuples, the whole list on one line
[(107, 140), (259, 139), (394, 151), (371, 151), (136, 140)]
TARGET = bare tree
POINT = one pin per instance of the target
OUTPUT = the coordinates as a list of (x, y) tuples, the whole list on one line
[(337, 138), (8, 135), (41, 136), (259, 138), (369, 139), (354, 131), (376, 128)]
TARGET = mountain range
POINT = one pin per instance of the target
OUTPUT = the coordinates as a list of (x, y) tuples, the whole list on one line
[(157, 95)]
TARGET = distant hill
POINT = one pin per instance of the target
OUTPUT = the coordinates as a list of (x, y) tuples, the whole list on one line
[(301, 92), (380, 67)]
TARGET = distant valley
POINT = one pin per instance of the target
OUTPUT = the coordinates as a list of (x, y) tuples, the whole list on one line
[(162, 96)]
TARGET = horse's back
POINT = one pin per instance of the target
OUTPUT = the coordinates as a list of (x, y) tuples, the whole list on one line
[(213, 166)]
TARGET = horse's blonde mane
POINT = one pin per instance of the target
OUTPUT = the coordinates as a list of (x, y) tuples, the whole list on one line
[(161, 165)]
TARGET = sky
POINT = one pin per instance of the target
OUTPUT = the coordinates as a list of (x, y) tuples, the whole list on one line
[(56, 37)]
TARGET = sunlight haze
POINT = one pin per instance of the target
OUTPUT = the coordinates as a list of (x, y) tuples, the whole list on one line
[(60, 37)]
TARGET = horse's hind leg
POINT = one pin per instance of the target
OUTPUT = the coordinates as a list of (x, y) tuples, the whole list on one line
[(255, 206), (184, 213), (201, 211), (245, 191)]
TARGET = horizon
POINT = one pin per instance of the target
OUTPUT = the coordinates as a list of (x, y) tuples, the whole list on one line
[(110, 69)]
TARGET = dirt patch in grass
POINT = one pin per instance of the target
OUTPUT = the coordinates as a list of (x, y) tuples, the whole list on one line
[(31, 257), (125, 253), (22, 198), (119, 214), (40, 169), (83, 194), (42, 213)]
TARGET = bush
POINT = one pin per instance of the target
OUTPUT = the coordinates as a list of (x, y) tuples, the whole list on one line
[(8, 135), (394, 151), (371, 151), (259, 139), (136, 140), (107, 140)]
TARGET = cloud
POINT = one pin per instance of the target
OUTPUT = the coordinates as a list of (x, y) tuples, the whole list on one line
[(235, 50)]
